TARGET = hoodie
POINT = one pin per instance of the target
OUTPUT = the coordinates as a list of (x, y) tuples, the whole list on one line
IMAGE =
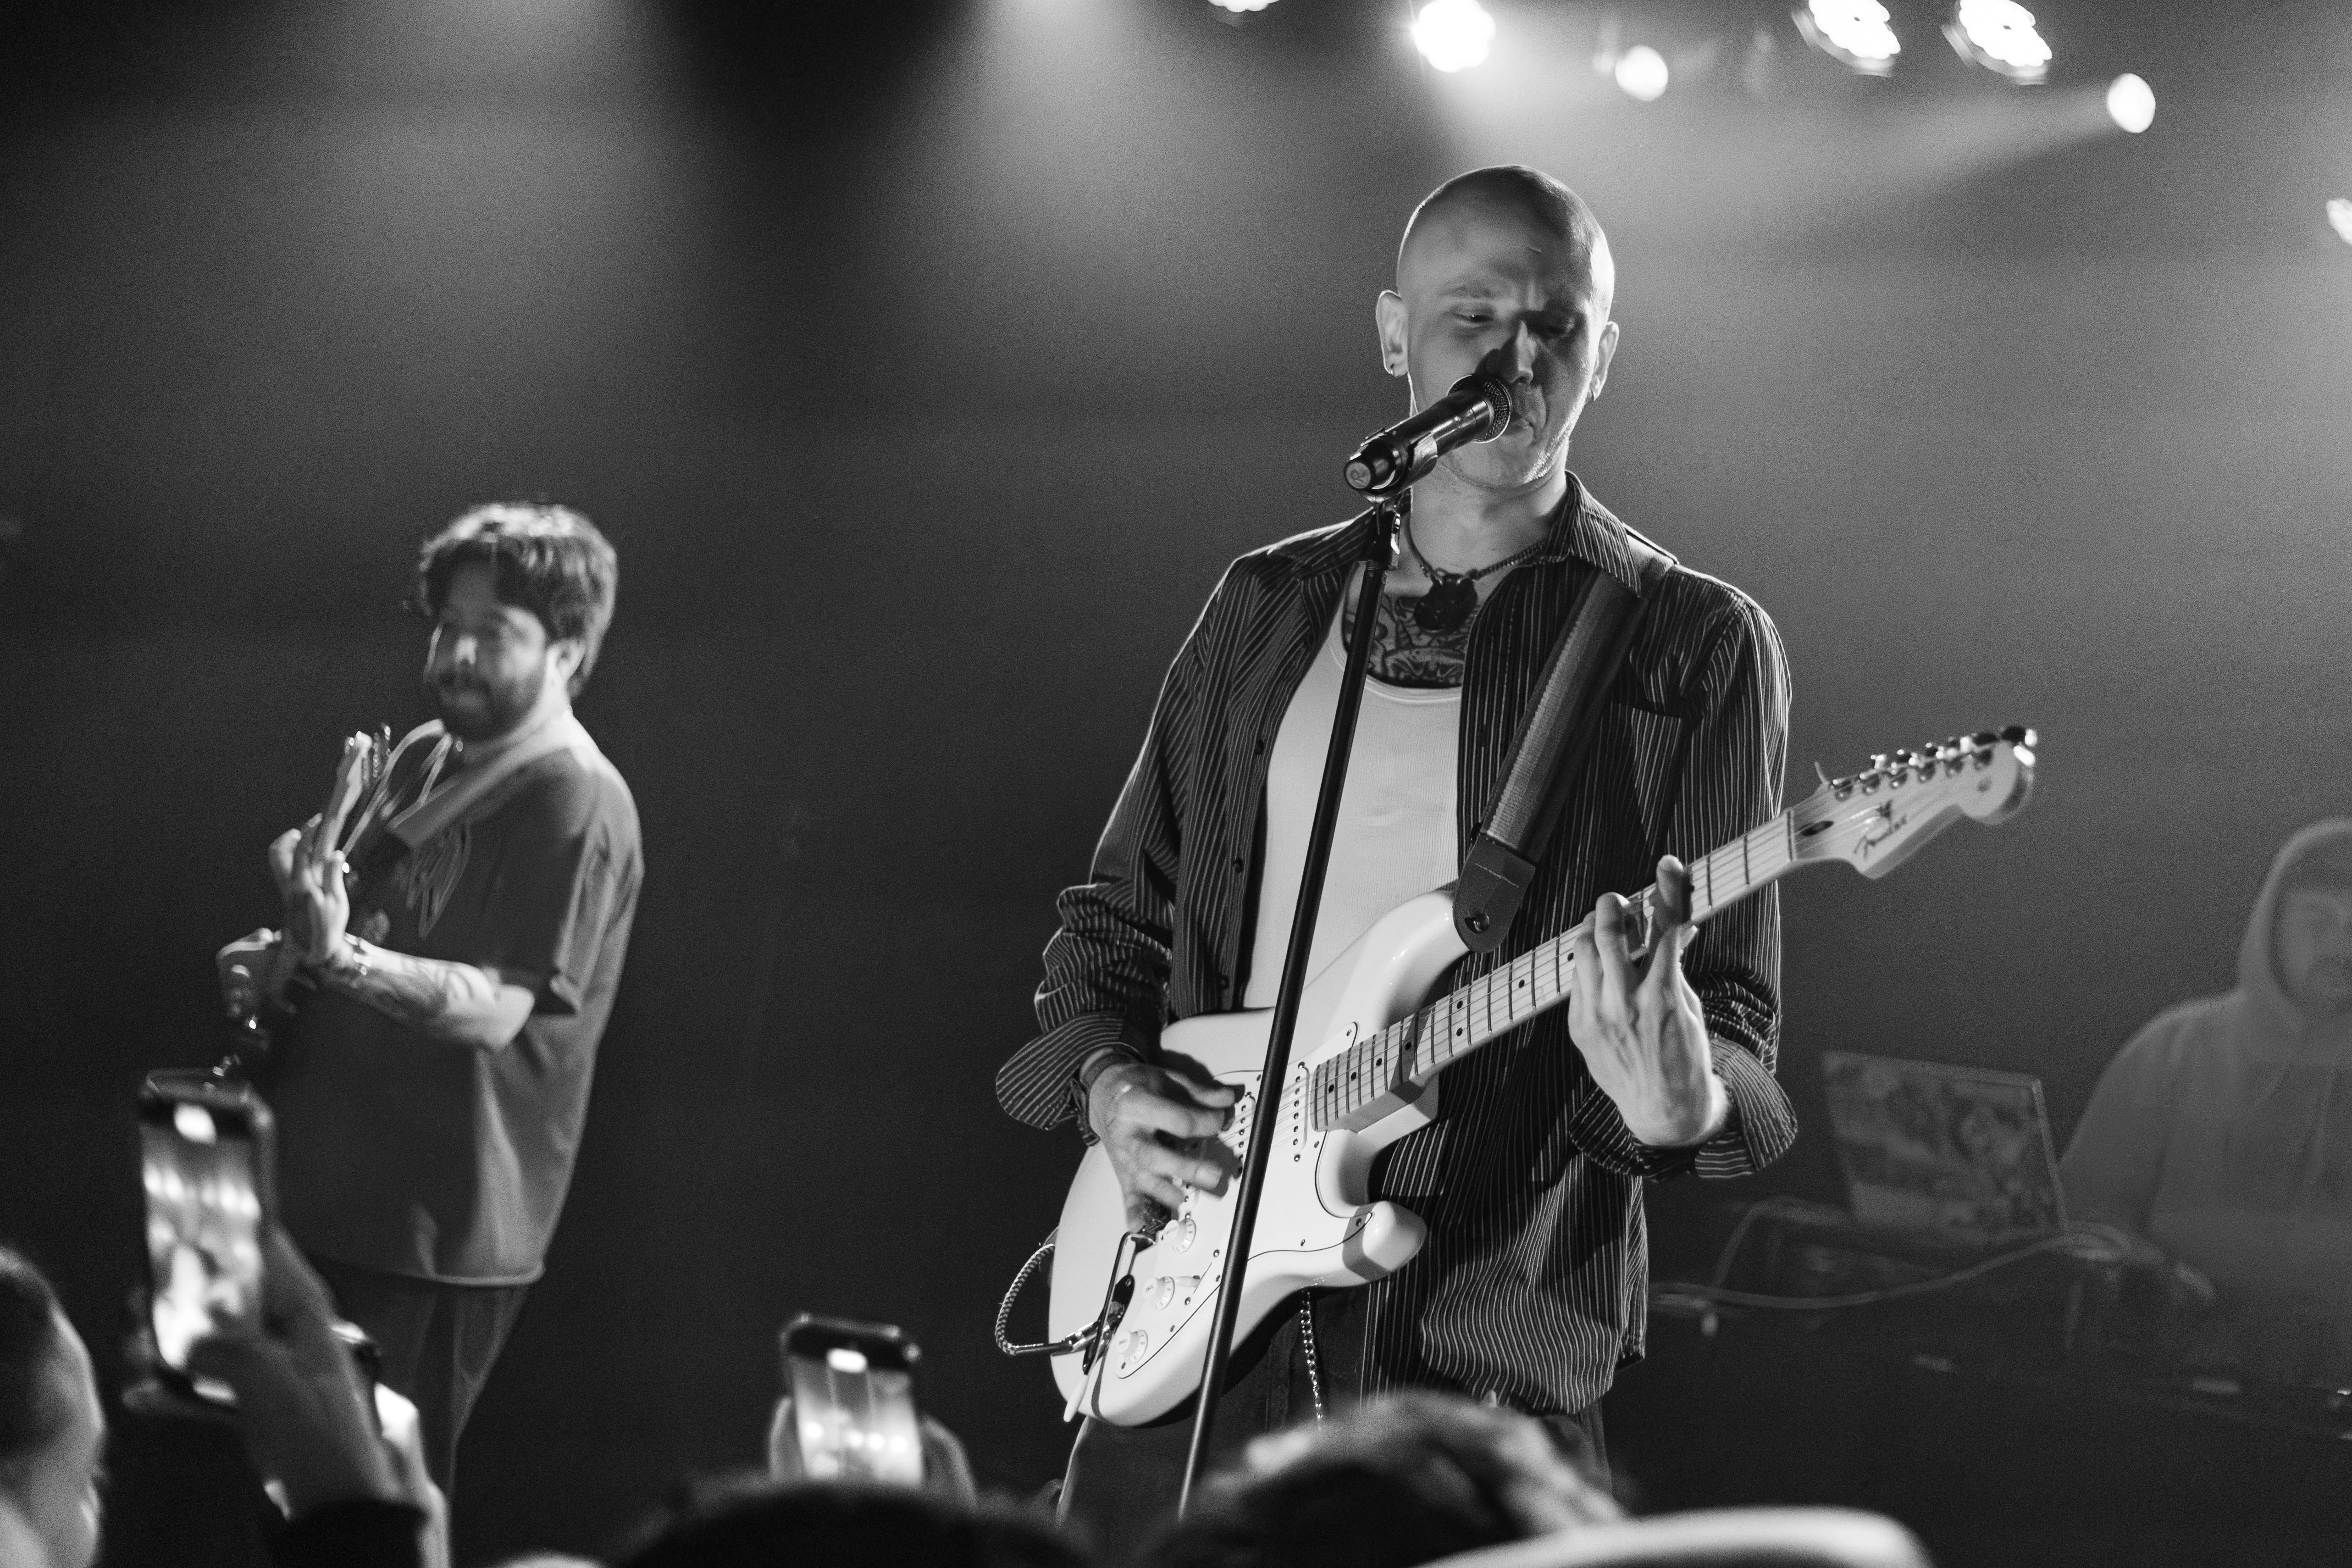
[(2224, 1133)]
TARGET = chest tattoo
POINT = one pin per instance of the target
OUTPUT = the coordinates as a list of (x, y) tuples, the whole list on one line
[(1406, 654)]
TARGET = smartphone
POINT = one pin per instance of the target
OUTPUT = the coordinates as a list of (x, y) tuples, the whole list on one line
[(205, 1156), (853, 1390)]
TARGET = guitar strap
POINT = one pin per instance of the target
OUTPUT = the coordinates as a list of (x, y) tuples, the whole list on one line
[(1551, 747)]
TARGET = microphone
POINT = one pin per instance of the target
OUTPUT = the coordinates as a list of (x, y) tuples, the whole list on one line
[(1477, 409)]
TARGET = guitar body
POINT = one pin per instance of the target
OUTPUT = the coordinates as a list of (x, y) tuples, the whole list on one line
[(1316, 1225)]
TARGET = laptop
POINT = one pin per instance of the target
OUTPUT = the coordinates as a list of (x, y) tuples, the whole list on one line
[(1958, 1155)]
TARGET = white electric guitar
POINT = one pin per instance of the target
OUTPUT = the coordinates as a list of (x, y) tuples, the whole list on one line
[(1364, 1073)]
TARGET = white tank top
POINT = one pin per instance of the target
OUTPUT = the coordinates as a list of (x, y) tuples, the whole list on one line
[(1396, 835)]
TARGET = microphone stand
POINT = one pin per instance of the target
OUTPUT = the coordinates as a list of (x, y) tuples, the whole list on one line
[(1383, 522)]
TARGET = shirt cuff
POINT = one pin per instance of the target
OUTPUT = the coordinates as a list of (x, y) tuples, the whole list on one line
[(1092, 1066), (1759, 1128), (1039, 1085), (1762, 1124)]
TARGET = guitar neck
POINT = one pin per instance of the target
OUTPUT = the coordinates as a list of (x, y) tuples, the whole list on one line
[(1369, 1076)]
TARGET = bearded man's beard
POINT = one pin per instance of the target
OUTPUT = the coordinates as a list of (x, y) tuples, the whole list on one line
[(476, 710)]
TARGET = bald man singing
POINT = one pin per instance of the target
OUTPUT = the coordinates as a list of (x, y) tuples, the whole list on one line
[(1531, 1289)]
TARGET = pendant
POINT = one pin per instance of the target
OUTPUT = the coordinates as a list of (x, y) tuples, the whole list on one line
[(1448, 607)]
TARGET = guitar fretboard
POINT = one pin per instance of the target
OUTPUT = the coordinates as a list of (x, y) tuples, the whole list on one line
[(1415, 1049)]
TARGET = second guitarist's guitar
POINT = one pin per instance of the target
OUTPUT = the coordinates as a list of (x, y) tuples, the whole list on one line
[(357, 772), (1366, 1074)]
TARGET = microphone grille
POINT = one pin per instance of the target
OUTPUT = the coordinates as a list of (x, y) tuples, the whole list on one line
[(1497, 394)]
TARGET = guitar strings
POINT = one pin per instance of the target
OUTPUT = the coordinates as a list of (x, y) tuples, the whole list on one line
[(1416, 1047)]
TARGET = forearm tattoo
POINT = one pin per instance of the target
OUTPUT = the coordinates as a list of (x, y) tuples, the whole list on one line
[(430, 995), (1404, 654)]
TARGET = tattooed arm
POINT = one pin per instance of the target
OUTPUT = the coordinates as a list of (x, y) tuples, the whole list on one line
[(457, 1003)]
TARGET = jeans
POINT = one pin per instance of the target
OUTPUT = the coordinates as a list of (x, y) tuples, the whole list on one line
[(437, 1341)]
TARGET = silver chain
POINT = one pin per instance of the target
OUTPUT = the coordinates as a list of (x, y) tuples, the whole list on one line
[(1314, 1362), (1439, 576)]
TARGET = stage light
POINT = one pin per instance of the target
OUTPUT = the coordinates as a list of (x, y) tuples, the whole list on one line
[(2000, 35), (1241, 5), (1453, 35), (2339, 217), (2131, 103), (1856, 34), (1641, 72)]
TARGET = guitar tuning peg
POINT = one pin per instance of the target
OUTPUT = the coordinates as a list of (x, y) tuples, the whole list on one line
[(1819, 773)]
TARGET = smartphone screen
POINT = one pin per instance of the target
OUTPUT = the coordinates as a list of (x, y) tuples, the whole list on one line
[(202, 1157), (853, 1391)]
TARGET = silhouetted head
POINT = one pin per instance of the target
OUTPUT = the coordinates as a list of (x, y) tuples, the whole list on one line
[(52, 1428), (1395, 1483), (827, 1525)]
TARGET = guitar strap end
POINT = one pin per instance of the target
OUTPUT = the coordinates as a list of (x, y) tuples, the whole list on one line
[(1495, 877)]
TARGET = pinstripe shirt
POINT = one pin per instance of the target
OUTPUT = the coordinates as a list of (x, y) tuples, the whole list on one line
[(1531, 1286)]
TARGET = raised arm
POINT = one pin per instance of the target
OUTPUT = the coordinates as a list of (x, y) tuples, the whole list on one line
[(1736, 747), (457, 1004)]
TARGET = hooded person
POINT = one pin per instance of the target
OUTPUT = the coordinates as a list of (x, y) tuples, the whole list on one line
[(2223, 1132)]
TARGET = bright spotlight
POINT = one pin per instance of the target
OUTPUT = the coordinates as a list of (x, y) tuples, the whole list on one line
[(1641, 72), (2131, 103), (1857, 33), (2339, 217), (2000, 35), (1453, 35), (1238, 5)]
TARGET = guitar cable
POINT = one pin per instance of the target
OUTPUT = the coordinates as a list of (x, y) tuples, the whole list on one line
[(1083, 1339)]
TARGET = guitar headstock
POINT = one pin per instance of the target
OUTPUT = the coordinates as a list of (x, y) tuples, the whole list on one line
[(1874, 820), (357, 771)]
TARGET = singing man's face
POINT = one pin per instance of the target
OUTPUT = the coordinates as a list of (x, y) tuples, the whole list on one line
[(490, 663), (1484, 276), (2313, 943)]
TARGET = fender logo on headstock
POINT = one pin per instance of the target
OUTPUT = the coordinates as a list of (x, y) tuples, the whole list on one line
[(1881, 830)]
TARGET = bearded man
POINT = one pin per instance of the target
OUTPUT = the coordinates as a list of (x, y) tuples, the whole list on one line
[(1529, 1291), (456, 965)]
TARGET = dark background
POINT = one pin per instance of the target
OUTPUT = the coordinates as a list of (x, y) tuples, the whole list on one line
[(926, 363)]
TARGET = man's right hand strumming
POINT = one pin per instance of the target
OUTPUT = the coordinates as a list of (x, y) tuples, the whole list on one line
[(1145, 1116)]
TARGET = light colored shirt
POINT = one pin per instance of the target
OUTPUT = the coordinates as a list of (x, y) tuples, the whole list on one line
[(1396, 835)]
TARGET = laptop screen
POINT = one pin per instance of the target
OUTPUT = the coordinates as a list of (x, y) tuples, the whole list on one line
[(1958, 1152)]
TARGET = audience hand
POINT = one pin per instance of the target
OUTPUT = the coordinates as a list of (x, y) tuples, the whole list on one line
[(404, 1434), (947, 1471), (302, 1403)]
